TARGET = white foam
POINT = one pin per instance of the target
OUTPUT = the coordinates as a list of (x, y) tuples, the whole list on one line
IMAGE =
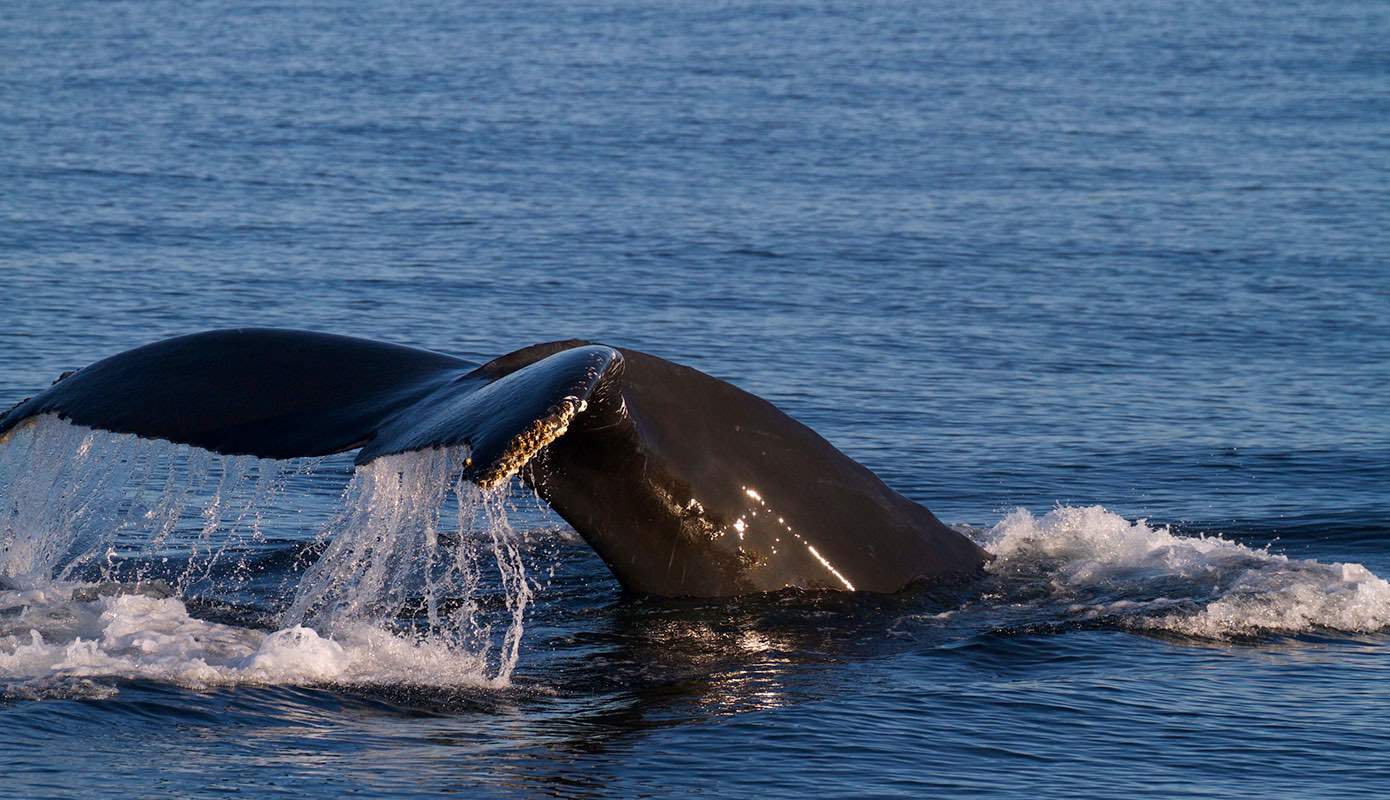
[(388, 560), (46, 636), (1106, 566), (395, 597), (400, 594)]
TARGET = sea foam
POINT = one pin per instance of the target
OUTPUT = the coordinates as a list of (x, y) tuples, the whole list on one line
[(47, 636), (421, 577), (1102, 566)]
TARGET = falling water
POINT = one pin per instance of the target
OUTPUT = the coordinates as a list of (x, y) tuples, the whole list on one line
[(396, 560), (419, 570)]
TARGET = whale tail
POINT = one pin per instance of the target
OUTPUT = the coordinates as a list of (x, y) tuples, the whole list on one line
[(684, 484), (286, 394)]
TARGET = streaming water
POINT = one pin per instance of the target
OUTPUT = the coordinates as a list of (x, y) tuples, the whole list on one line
[(419, 578), (393, 559), (1121, 265)]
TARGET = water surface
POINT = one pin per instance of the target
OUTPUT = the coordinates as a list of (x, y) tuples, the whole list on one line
[(1118, 265)]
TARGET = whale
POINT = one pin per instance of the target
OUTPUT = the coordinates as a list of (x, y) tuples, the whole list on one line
[(684, 484)]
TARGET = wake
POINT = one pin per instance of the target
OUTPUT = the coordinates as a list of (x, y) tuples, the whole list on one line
[(1090, 564)]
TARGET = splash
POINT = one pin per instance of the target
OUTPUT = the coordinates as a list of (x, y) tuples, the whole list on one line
[(1101, 566), (392, 562), (51, 639), (72, 497), (106, 540)]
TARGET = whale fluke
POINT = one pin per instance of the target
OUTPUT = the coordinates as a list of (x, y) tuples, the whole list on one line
[(684, 484)]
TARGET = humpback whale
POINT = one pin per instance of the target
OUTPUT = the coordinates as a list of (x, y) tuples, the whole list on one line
[(685, 485)]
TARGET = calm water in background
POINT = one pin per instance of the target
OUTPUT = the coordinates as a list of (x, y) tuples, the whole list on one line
[(1009, 255)]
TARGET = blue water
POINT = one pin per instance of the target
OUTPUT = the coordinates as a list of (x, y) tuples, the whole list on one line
[(1047, 255)]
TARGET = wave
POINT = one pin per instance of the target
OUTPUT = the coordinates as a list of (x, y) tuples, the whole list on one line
[(1093, 564)]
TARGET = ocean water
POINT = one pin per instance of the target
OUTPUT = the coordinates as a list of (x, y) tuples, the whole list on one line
[(1104, 285)]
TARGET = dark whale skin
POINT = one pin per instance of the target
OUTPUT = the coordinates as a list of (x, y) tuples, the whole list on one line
[(684, 484)]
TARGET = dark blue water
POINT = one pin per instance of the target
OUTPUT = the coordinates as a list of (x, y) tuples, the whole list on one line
[(1049, 256)]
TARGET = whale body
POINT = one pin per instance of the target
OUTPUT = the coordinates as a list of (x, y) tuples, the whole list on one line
[(684, 484)]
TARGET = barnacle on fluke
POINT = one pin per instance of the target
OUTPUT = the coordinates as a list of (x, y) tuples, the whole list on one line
[(524, 446)]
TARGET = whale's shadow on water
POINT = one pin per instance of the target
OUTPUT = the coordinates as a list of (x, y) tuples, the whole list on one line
[(602, 668)]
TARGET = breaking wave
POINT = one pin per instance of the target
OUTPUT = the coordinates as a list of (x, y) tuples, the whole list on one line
[(1095, 565)]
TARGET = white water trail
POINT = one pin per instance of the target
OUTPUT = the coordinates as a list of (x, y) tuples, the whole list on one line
[(1101, 566), (422, 580)]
